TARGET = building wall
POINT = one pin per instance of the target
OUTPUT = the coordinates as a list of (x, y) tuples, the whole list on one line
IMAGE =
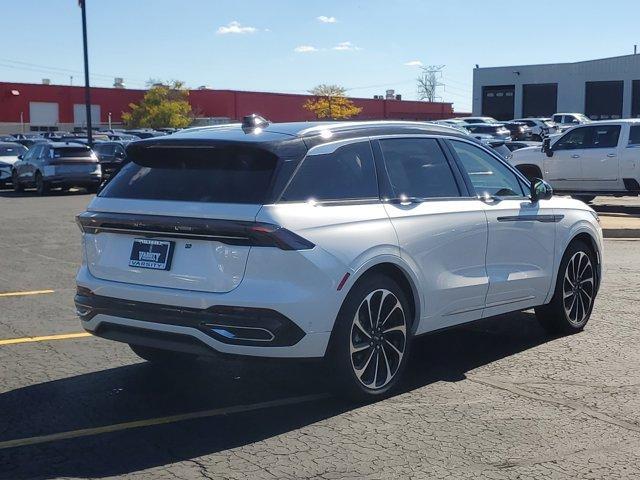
[(206, 103), (570, 77)]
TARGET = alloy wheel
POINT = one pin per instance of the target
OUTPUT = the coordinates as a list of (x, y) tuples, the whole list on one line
[(378, 339), (578, 288)]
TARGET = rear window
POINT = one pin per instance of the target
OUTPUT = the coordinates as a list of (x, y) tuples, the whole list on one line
[(71, 152), (216, 175)]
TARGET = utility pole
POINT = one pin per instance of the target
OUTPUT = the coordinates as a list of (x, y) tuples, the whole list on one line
[(428, 82), (87, 92)]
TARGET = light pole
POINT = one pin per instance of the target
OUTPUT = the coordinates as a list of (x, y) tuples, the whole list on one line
[(87, 92)]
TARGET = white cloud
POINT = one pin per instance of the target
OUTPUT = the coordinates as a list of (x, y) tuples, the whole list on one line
[(325, 19), (235, 27), (305, 49), (414, 63), (346, 46)]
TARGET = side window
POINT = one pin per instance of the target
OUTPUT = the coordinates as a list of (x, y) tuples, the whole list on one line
[(557, 118), (418, 168), (35, 152), (576, 138), (346, 174), (107, 150), (634, 135), (605, 136), (488, 175)]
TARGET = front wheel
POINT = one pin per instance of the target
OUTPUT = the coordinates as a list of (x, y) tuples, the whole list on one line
[(371, 339), (42, 187), (17, 186), (576, 289)]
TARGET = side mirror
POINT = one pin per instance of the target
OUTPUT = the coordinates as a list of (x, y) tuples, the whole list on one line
[(540, 190), (546, 147)]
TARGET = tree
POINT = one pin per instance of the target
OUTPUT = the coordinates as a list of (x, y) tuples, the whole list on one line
[(331, 102), (164, 105)]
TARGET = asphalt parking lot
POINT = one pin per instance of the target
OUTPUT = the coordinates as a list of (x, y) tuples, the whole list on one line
[(497, 399)]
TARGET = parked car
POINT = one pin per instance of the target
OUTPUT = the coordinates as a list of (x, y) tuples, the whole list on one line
[(145, 133), (500, 147), (111, 155), (9, 154), (564, 121), (518, 144), (540, 127), (57, 165), (493, 131), (598, 158), (479, 120), (30, 142), (518, 130), (246, 249), (122, 137)]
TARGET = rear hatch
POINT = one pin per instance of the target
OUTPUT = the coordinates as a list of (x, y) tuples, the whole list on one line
[(180, 216), (73, 160)]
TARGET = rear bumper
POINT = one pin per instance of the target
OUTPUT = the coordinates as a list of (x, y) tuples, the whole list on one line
[(179, 319), (74, 180)]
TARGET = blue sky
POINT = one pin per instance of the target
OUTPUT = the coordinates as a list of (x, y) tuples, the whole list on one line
[(290, 46)]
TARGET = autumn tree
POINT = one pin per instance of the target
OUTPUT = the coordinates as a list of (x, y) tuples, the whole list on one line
[(164, 105), (331, 102)]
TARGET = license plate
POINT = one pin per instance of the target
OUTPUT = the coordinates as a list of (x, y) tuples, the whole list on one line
[(149, 253)]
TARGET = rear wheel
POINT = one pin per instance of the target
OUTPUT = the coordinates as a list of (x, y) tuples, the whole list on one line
[(164, 358), (17, 186), (42, 187), (370, 342), (572, 303)]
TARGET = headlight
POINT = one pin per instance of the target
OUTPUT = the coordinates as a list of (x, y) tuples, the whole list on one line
[(595, 215)]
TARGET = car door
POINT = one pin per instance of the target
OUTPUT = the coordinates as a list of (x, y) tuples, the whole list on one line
[(441, 229), (599, 157), (521, 240), (27, 169), (563, 168)]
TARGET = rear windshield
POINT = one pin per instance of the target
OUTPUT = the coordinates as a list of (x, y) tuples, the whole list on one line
[(217, 175), (71, 152)]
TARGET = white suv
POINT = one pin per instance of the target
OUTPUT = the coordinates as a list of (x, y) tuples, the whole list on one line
[(339, 240)]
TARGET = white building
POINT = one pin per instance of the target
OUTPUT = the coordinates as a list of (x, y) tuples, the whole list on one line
[(601, 89)]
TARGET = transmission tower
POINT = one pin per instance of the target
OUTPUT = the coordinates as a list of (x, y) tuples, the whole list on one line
[(429, 81)]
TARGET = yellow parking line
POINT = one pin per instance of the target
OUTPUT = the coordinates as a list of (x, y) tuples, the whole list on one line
[(19, 294), (116, 427), (45, 338)]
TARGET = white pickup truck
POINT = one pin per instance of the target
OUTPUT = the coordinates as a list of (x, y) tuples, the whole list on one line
[(598, 158)]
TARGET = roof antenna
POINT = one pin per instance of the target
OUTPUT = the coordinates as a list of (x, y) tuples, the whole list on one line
[(253, 121)]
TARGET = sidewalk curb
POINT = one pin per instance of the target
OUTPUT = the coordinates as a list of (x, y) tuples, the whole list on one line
[(621, 232)]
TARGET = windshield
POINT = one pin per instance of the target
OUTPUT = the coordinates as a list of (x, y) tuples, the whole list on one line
[(12, 151)]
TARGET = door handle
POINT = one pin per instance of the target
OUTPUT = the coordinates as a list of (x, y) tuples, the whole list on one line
[(611, 155), (575, 155)]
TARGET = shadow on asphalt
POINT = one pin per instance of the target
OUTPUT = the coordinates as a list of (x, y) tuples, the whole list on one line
[(617, 209), (139, 391)]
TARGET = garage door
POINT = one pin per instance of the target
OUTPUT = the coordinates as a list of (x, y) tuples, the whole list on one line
[(603, 100), (43, 114), (539, 100), (80, 115), (497, 101)]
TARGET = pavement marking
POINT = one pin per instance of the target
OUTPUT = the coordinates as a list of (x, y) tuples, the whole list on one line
[(117, 427), (44, 338), (20, 294)]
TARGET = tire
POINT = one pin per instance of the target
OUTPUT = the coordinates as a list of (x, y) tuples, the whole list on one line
[(584, 198), (575, 292), (356, 344), (42, 187), (17, 186), (164, 358)]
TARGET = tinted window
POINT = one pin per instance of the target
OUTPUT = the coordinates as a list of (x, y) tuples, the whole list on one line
[(488, 175), (634, 135), (224, 175), (557, 118), (576, 138), (348, 173), (418, 168), (71, 152), (605, 136), (12, 150), (106, 150)]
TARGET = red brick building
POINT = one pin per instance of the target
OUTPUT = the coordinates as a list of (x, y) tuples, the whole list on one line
[(39, 107)]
